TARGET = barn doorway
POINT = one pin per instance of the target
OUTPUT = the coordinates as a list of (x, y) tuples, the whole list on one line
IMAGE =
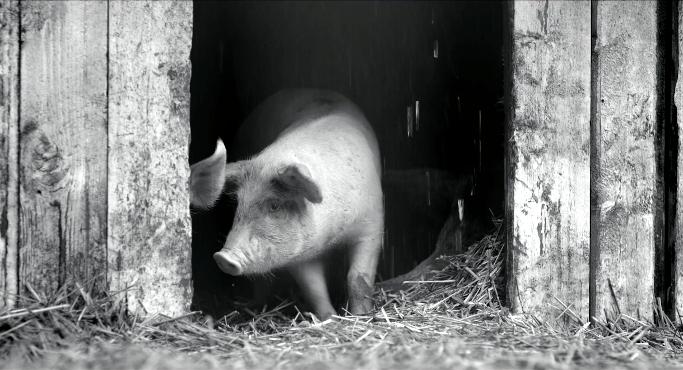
[(428, 76)]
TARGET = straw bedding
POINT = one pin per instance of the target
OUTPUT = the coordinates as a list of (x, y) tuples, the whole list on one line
[(454, 320)]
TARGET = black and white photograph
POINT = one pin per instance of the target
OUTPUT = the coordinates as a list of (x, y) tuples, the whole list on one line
[(341, 184)]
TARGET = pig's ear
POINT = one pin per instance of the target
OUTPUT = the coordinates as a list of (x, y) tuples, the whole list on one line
[(207, 178), (295, 180)]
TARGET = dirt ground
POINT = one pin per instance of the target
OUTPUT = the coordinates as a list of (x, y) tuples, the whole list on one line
[(496, 340), (453, 320), (448, 353)]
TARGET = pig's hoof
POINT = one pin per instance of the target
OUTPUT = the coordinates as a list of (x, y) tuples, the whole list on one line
[(227, 264), (360, 295), (362, 308), (325, 315), (320, 316)]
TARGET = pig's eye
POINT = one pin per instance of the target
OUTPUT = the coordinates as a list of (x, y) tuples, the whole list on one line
[(274, 206)]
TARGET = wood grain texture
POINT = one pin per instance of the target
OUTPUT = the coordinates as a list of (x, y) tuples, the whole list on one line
[(63, 143), (626, 191), (149, 133), (678, 101), (548, 157), (9, 123)]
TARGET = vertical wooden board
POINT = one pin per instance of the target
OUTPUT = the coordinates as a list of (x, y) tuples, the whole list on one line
[(63, 143), (626, 83), (9, 123), (678, 101), (548, 157), (149, 133)]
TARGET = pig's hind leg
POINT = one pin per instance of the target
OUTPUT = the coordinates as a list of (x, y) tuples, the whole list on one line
[(360, 279), (310, 277)]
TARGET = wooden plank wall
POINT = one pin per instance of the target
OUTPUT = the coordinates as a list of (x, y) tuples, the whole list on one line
[(555, 79), (625, 187), (548, 157), (149, 134), (63, 141), (94, 135), (94, 130), (9, 122)]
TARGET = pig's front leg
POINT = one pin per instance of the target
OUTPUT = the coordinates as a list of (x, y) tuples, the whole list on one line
[(361, 276), (310, 276)]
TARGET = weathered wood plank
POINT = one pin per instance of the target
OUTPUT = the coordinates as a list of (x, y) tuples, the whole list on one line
[(9, 123), (63, 143), (149, 133), (678, 101), (548, 157), (626, 190)]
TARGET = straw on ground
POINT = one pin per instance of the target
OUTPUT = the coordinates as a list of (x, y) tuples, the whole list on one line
[(455, 319)]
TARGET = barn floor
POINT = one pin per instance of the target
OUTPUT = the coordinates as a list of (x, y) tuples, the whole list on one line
[(310, 347), (453, 320)]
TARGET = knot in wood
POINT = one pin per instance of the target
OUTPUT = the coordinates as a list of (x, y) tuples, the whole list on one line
[(47, 162)]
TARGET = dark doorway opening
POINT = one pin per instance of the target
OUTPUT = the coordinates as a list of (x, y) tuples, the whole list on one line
[(428, 76)]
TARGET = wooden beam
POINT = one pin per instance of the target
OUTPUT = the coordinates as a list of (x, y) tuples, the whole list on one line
[(547, 160), (149, 134), (9, 123), (625, 188), (63, 143), (678, 101)]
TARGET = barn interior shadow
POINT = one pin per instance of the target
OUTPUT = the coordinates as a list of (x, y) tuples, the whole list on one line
[(428, 75)]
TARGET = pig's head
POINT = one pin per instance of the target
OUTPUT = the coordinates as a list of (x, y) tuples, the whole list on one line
[(272, 222)]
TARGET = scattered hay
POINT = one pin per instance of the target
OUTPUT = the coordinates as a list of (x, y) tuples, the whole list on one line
[(456, 319)]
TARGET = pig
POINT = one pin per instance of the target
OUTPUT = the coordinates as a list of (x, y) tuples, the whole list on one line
[(310, 181)]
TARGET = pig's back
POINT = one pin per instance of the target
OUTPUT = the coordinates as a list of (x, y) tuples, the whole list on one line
[(330, 136), (292, 110)]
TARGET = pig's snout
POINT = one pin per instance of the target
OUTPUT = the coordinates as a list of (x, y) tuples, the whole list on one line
[(228, 263)]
